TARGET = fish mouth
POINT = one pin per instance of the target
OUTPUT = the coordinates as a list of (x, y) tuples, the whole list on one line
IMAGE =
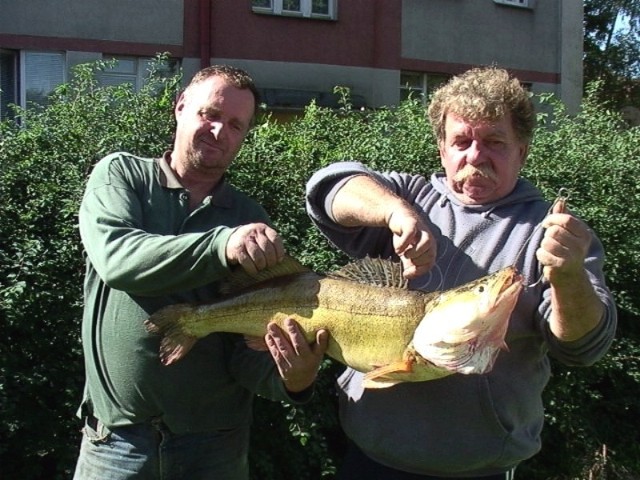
[(472, 347), (507, 285)]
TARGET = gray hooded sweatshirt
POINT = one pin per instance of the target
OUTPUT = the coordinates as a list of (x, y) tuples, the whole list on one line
[(463, 425)]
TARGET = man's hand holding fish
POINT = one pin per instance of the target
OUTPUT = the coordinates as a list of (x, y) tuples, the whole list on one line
[(254, 247), (375, 206), (296, 359)]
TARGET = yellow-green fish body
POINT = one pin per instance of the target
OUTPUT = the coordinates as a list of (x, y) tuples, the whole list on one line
[(371, 316)]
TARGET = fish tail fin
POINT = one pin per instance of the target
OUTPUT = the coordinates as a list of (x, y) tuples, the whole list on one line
[(174, 347), (175, 343)]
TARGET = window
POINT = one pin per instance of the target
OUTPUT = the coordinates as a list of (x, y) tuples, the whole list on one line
[(134, 71), (516, 3), (43, 72), (8, 82), (28, 78), (322, 9), (420, 85)]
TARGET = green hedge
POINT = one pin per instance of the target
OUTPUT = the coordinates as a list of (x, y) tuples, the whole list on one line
[(44, 164)]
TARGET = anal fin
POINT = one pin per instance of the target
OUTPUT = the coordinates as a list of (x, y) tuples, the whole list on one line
[(379, 377), (378, 384)]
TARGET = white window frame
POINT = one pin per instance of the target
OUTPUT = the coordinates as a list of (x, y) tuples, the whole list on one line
[(116, 76), (276, 8), (517, 3), (139, 74)]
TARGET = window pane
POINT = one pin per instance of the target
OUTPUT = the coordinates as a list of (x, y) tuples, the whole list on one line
[(114, 79), (124, 71), (8, 83), (434, 81), (411, 80), (43, 73), (124, 65), (261, 3), (406, 94), (320, 7), (291, 5), (164, 70)]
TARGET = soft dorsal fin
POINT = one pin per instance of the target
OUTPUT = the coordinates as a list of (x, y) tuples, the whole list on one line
[(373, 271), (240, 279)]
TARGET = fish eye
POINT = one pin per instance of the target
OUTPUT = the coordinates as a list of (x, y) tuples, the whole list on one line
[(481, 288)]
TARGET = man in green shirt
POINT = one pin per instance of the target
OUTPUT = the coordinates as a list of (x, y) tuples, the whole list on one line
[(164, 231)]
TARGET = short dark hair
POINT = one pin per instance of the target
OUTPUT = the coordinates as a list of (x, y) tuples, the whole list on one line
[(234, 76)]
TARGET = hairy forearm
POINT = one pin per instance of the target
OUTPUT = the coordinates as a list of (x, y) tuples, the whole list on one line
[(576, 309), (363, 201)]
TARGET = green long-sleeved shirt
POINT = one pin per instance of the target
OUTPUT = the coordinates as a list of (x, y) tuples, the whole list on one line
[(145, 250)]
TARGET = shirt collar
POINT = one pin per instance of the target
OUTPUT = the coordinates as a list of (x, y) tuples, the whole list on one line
[(220, 197)]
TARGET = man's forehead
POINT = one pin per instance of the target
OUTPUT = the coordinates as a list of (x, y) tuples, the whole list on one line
[(208, 85), (455, 124), (218, 92)]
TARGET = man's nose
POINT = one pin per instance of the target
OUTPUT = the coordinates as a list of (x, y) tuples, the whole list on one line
[(216, 129), (474, 153)]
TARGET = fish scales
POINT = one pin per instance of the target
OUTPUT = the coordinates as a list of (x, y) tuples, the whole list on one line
[(369, 325), (372, 321)]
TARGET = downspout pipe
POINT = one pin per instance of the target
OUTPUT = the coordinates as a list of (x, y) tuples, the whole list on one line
[(205, 33)]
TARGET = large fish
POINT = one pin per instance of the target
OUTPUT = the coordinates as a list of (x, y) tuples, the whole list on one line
[(377, 325)]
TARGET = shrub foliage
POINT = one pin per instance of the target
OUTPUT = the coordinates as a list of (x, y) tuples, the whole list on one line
[(45, 158)]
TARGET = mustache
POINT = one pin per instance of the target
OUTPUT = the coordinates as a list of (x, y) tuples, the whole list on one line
[(469, 171)]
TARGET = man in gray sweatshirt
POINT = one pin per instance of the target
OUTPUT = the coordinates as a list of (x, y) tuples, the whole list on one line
[(474, 219)]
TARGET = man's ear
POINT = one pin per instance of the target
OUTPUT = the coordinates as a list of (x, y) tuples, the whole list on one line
[(179, 105), (524, 151), (441, 151)]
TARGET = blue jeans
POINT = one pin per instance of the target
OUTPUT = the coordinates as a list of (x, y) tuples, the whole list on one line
[(150, 451)]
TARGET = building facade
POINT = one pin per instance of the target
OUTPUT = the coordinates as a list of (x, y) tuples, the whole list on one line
[(296, 50)]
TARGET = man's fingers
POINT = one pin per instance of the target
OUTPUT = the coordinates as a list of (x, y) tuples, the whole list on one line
[(255, 247), (322, 341), (276, 244), (265, 248)]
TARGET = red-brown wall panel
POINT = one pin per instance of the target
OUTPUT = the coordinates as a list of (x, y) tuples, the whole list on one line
[(366, 34)]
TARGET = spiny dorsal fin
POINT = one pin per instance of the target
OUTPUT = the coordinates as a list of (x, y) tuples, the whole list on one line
[(240, 279), (373, 271)]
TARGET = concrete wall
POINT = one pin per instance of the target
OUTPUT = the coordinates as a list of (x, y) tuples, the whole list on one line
[(145, 21), (542, 45), (481, 32), (571, 52)]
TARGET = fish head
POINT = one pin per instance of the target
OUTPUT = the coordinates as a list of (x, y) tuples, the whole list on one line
[(465, 328)]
